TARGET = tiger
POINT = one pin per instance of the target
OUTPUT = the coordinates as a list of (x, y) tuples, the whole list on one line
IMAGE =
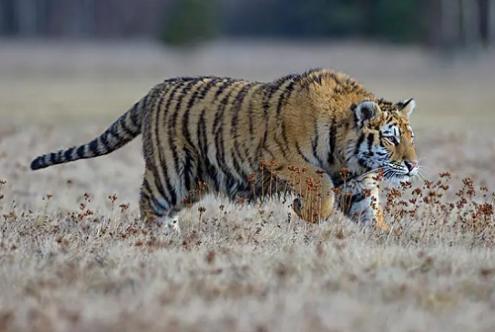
[(319, 135)]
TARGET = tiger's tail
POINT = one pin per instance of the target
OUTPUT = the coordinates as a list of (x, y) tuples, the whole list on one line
[(122, 131)]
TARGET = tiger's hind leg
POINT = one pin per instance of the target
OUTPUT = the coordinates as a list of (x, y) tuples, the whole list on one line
[(160, 203), (157, 205)]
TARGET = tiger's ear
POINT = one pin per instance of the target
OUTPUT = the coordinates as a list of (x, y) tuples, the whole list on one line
[(364, 111), (407, 106)]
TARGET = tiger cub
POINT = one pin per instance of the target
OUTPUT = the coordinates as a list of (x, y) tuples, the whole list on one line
[(314, 134)]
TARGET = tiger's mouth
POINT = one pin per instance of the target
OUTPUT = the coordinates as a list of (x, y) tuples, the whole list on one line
[(398, 173), (390, 171)]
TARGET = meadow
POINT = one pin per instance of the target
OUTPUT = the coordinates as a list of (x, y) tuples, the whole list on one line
[(74, 255)]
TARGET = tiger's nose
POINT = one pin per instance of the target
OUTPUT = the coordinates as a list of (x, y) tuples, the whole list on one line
[(411, 165)]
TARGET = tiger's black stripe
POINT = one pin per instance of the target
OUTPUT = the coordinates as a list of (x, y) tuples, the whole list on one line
[(272, 89), (155, 169), (314, 144), (210, 169), (358, 144), (172, 126), (268, 93), (282, 101), (332, 135), (298, 148), (199, 93), (164, 111), (236, 153), (217, 132), (370, 143)]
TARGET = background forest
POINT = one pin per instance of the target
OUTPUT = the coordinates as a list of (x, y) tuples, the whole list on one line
[(445, 23)]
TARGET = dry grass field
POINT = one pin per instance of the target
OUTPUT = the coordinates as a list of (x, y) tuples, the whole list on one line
[(75, 257)]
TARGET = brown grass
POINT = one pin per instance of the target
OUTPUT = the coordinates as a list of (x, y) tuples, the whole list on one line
[(75, 257)]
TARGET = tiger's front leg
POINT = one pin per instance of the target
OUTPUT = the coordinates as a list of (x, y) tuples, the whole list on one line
[(359, 199), (314, 188)]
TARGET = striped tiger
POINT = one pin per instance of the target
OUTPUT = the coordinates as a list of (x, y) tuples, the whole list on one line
[(319, 135)]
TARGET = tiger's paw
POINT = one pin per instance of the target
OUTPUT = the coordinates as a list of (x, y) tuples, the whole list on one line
[(309, 216), (171, 226)]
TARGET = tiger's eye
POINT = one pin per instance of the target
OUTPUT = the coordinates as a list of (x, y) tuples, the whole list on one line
[(392, 139)]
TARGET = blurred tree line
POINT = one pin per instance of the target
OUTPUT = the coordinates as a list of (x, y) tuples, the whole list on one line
[(437, 22)]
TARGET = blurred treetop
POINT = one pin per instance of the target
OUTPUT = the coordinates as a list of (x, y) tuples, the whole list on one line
[(438, 22)]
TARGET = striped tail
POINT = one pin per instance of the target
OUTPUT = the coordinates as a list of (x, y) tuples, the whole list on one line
[(122, 131)]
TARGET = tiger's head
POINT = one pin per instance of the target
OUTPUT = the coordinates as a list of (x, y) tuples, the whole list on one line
[(384, 139)]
